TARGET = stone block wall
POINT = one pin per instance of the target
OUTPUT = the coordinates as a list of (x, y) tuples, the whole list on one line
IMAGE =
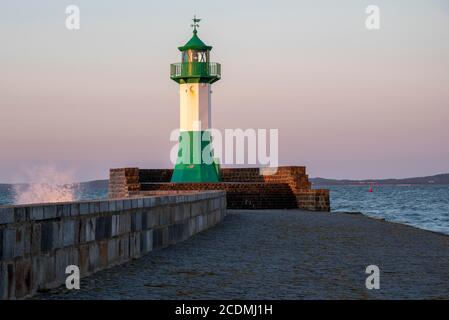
[(246, 188), (38, 242)]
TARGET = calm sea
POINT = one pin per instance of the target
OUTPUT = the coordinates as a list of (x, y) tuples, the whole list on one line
[(425, 207), (422, 206)]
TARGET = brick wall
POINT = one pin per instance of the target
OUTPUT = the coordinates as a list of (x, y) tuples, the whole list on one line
[(122, 181), (155, 175), (38, 242), (313, 199), (239, 195), (246, 188)]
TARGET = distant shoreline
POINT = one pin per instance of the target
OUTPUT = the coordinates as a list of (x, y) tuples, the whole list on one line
[(379, 184), (438, 179)]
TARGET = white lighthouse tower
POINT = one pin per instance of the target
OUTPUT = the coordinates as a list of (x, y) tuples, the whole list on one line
[(195, 74)]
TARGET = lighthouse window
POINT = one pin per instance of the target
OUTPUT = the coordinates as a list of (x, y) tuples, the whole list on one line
[(201, 56), (195, 56), (185, 56)]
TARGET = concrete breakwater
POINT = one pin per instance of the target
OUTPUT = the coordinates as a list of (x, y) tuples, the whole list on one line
[(38, 242), (282, 254)]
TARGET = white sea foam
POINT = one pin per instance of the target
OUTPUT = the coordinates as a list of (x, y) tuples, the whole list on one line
[(47, 185)]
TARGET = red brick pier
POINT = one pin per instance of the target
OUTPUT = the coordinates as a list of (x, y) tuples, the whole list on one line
[(246, 188)]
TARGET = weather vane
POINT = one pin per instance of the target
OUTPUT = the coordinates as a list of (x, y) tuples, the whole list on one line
[(195, 23)]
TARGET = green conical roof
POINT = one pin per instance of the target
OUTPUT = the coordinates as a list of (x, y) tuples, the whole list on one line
[(195, 43)]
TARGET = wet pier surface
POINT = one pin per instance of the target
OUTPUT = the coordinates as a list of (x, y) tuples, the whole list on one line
[(282, 254)]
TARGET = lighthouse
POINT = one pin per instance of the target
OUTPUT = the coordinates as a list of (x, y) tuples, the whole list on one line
[(195, 75)]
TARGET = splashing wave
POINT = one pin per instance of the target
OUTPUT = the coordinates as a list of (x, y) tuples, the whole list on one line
[(48, 185)]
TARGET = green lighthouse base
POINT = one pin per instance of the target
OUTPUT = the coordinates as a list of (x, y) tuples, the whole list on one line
[(197, 164), (195, 173)]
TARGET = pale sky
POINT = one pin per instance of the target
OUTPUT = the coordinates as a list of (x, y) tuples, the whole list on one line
[(348, 102)]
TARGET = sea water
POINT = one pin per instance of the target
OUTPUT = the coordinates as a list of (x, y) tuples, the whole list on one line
[(422, 206)]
